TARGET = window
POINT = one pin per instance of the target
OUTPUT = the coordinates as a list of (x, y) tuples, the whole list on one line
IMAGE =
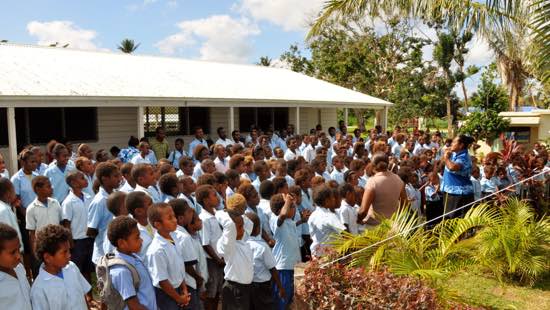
[(176, 120), (40, 125), (262, 118)]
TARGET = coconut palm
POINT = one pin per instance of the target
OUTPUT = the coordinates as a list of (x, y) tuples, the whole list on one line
[(502, 22), (128, 46)]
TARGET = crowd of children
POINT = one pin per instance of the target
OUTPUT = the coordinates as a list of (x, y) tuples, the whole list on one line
[(224, 222)]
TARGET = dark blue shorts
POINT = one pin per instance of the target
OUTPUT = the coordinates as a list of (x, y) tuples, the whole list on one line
[(81, 254)]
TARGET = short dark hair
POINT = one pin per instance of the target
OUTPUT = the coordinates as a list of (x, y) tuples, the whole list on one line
[(232, 174), (185, 161), (206, 179), (295, 190), (321, 193), (235, 161), (179, 206), (58, 148), (276, 203), (246, 189), (267, 189), (167, 182), (49, 239), (300, 176), (135, 200), (72, 176), (105, 169), (345, 188), (5, 185), (220, 177), (139, 171), (153, 213), (39, 182), (278, 183), (114, 202), (253, 217), (120, 228), (203, 191), (126, 168), (7, 233), (259, 166)]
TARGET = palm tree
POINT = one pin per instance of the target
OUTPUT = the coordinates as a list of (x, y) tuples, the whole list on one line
[(502, 22), (128, 46), (264, 61)]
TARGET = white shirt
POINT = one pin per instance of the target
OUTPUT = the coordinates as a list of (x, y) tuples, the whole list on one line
[(39, 215), (184, 245), (211, 230), (221, 165), (225, 142), (309, 153), (75, 210), (15, 293), (264, 260), (289, 155), (52, 292), (138, 159), (414, 196), (164, 261), (265, 206), (7, 216), (126, 188), (147, 238), (338, 176), (237, 255), (322, 224), (348, 216)]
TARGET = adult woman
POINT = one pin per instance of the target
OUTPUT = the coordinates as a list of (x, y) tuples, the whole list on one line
[(383, 193), (456, 186)]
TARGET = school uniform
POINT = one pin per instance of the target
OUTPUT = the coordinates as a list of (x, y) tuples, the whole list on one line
[(414, 197), (477, 188), (434, 204), (99, 218), (41, 169), (309, 153), (152, 191), (57, 177), (489, 186), (289, 154), (60, 292), (180, 174), (122, 281), (222, 165), (5, 174), (15, 293), (126, 187), (229, 192), (193, 145), (325, 175), (348, 216), (192, 202), (211, 233), (323, 223), (261, 293), (197, 171), (75, 210), (139, 159), (256, 183), (8, 217), (186, 249), (238, 270), (90, 188), (338, 176), (265, 216), (362, 181), (175, 156), (147, 233), (23, 186), (165, 263), (287, 254), (39, 214)]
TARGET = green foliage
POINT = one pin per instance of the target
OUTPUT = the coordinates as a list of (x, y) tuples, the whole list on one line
[(516, 247), (489, 95), (484, 125), (128, 46), (264, 61)]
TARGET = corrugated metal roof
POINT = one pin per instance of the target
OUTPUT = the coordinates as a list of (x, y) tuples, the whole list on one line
[(34, 72)]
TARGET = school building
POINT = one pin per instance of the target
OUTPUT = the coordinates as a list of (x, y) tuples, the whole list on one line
[(102, 98)]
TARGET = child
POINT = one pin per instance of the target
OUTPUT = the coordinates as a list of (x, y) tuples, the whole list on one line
[(99, 216), (347, 212), (186, 249), (74, 217), (169, 187), (7, 214), (186, 166), (233, 182), (475, 182), (434, 204), (124, 235), (489, 181), (264, 269), (59, 285), (22, 179), (86, 166), (176, 154), (239, 268), (137, 204), (221, 161), (339, 169), (292, 151), (211, 232), (165, 265), (116, 205), (188, 188), (201, 267), (14, 286), (261, 169), (144, 176), (43, 210), (58, 172), (324, 222), (4, 173), (303, 180), (359, 192), (267, 190), (252, 201), (129, 183), (143, 156), (287, 246)]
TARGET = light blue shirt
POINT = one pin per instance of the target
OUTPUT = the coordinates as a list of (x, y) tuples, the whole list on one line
[(477, 187), (23, 187), (431, 193), (264, 260), (174, 158), (338, 176), (41, 169), (489, 185), (15, 292), (164, 261), (99, 218), (121, 278), (323, 224), (57, 178), (193, 145), (90, 189), (187, 251), (75, 210), (307, 204), (53, 292), (287, 246)]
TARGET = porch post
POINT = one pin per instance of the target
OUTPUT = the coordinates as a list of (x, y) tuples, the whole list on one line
[(12, 140), (140, 123), (346, 115), (384, 119), (297, 126), (231, 120)]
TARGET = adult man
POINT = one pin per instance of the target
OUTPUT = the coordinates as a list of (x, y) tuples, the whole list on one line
[(159, 145), (199, 139), (236, 136), (223, 140)]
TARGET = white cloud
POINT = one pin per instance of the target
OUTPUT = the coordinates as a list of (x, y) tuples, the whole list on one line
[(63, 32), (221, 38), (291, 15), (480, 54)]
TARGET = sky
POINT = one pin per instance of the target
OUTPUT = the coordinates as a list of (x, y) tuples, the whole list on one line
[(236, 31)]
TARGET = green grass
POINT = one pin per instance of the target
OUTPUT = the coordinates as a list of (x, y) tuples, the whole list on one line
[(479, 289)]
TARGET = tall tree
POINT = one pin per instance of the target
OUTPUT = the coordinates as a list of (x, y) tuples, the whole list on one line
[(128, 46)]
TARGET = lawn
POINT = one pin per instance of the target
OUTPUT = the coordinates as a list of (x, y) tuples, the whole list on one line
[(478, 289)]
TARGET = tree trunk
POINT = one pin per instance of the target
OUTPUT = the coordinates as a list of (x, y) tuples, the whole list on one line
[(449, 118), (514, 96), (360, 119), (465, 97)]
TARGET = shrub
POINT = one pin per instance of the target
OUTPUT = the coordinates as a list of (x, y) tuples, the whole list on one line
[(342, 287)]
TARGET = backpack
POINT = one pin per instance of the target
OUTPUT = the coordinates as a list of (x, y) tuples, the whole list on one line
[(107, 293)]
